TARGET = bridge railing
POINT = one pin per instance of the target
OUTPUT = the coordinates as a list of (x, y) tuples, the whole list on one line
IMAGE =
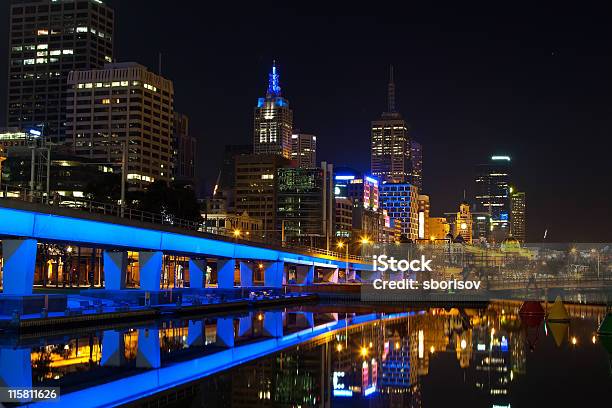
[(13, 192)]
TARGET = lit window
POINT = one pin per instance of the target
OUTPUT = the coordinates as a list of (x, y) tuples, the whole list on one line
[(135, 83), (105, 101), (67, 51), (107, 84), (53, 59), (41, 60), (81, 86), (98, 84), (41, 53), (42, 32), (116, 83), (42, 46), (124, 83), (55, 52), (17, 48), (108, 59), (81, 29), (88, 85)]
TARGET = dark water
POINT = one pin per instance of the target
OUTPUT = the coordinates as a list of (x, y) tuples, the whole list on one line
[(359, 357)]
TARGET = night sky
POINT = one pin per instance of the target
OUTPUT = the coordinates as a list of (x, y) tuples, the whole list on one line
[(533, 83)]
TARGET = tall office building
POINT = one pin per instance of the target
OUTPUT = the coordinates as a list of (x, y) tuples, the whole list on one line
[(273, 124), (416, 162), (401, 202), (255, 190), (123, 104), (493, 194), (305, 209), (390, 154), (304, 150), (49, 39), (517, 215), (184, 145)]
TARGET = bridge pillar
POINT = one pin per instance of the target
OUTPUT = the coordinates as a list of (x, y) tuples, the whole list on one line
[(19, 260), (274, 274), (148, 355), (15, 367), (331, 275), (150, 269), (246, 275), (225, 273), (245, 324), (197, 273), (195, 333), (273, 324), (309, 278), (225, 332), (115, 265), (113, 347)]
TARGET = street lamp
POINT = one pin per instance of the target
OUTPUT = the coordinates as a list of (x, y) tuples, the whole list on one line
[(341, 245), (236, 233)]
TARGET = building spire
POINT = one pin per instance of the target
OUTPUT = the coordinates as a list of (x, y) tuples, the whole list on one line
[(391, 92), (274, 88)]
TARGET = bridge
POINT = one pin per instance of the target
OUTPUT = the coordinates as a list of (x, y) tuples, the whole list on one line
[(24, 225)]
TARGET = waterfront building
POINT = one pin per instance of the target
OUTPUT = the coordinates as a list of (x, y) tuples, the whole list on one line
[(255, 190), (11, 138), (438, 228), (463, 223), (493, 194), (47, 40), (121, 107), (273, 124), (517, 215), (305, 204), (304, 150), (185, 152), (401, 202)]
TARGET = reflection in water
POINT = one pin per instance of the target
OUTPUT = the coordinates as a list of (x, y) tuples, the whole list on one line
[(482, 357)]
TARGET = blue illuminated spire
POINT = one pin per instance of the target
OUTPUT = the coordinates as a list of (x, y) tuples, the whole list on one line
[(273, 84)]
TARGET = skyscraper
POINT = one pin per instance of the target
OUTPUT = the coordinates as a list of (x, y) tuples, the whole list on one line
[(48, 39), (416, 162), (273, 124), (517, 215), (184, 145), (305, 209), (304, 150), (123, 103), (493, 194), (390, 154)]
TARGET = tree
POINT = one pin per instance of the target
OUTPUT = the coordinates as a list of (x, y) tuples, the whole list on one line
[(172, 201), (107, 189)]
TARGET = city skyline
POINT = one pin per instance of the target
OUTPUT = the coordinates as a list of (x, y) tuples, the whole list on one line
[(461, 114)]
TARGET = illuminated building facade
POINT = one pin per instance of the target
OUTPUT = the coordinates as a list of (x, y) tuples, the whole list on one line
[(438, 228), (304, 150), (11, 138), (123, 104), (401, 202), (493, 194), (390, 154), (305, 205), (273, 125), (463, 223), (517, 215), (423, 215), (47, 40), (343, 217), (255, 190)]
